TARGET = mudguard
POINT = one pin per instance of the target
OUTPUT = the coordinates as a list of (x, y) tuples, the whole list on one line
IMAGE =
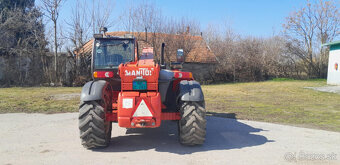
[(190, 91), (92, 90)]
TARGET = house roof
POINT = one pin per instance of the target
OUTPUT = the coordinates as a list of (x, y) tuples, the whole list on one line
[(331, 43), (335, 45), (200, 52)]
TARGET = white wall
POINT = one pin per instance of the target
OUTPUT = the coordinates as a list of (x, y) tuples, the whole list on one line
[(333, 76)]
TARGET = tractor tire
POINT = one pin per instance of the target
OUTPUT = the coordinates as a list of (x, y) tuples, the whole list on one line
[(95, 131), (192, 125)]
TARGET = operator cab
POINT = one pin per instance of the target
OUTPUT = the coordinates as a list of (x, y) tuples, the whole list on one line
[(108, 53), (111, 51)]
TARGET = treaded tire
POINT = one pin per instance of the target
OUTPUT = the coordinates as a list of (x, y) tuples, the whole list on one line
[(95, 131), (192, 126)]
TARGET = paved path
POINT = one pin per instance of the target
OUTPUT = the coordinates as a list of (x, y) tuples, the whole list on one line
[(330, 89), (53, 139)]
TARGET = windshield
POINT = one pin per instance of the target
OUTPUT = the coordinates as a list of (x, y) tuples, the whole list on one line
[(110, 53)]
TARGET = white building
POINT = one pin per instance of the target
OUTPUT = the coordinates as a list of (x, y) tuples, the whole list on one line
[(333, 75)]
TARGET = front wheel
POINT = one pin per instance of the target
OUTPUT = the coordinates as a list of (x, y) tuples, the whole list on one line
[(192, 126), (95, 130)]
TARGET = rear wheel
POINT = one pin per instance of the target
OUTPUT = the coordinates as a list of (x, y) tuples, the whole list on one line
[(95, 130), (192, 126)]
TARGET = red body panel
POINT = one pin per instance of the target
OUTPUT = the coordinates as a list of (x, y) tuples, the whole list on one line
[(125, 115), (171, 116), (145, 69), (128, 72)]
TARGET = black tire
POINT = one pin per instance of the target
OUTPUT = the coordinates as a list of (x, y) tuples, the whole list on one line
[(95, 131), (192, 126)]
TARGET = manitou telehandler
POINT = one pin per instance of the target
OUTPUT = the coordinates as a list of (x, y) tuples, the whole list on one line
[(136, 92)]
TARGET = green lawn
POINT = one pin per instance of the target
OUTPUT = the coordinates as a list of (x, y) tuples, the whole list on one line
[(285, 102), (37, 99)]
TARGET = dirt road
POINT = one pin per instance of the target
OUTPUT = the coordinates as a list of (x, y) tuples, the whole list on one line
[(54, 139)]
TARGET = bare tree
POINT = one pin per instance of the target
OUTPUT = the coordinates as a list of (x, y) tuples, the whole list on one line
[(142, 17), (79, 25), (79, 30), (52, 9), (223, 41), (126, 19), (310, 27), (183, 35), (148, 18), (101, 14), (145, 20)]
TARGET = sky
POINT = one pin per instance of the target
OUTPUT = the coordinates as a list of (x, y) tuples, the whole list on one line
[(259, 18), (247, 17)]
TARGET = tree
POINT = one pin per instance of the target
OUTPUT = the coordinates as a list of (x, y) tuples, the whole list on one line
[(308, 28), (101, 13), (151, 27), (22, 44), (79, 29), (52, 9), (18, 4), (183, 35), (148, 18), (79, 25)]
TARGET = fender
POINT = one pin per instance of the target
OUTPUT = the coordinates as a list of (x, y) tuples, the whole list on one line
[(92, 90), (190, 91)]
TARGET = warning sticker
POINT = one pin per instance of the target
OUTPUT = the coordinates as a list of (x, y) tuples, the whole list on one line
[(127, 103), (142, 110)]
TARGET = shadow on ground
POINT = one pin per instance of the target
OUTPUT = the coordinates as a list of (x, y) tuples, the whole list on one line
[(222, 134)]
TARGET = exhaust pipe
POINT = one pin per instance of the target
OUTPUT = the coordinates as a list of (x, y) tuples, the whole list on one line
[(162, 55)]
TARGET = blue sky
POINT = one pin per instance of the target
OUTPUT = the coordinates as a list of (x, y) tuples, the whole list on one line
[(247, 17), (260, 18)]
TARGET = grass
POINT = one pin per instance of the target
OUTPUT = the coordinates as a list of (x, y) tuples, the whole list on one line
[(285, 102), (37, 100), (278, 101)]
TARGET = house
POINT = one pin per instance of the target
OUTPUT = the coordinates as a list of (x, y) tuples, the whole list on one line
[(333, 74), (198, 58)]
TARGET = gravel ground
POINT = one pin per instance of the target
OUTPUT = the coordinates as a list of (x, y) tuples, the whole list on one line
[(65, 96), (330, 89), (54, 139)]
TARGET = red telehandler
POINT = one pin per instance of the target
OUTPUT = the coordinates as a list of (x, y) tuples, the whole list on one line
[(136, 92)]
